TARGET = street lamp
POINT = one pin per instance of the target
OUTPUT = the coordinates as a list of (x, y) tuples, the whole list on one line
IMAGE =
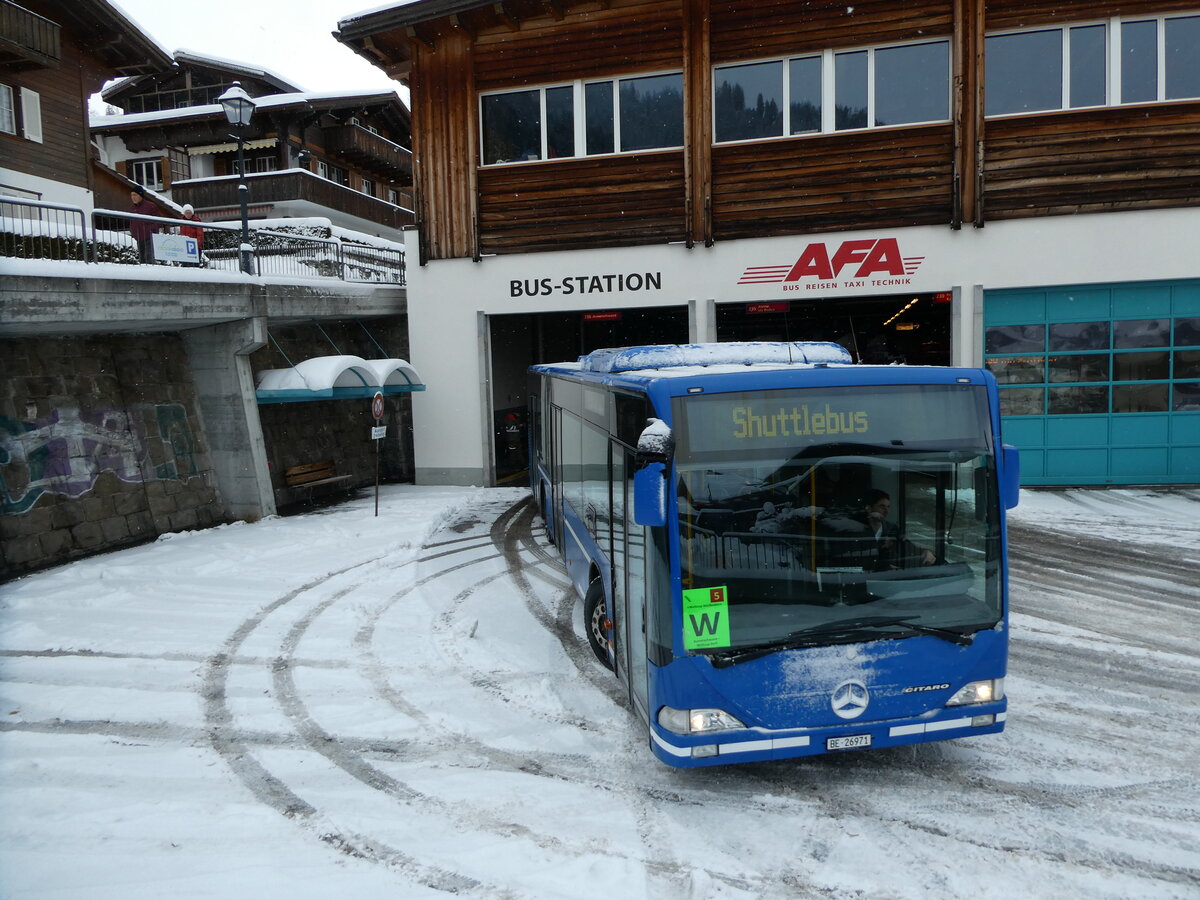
[(239, 107)]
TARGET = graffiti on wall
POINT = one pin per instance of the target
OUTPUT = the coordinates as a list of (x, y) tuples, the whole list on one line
[(66, 452)]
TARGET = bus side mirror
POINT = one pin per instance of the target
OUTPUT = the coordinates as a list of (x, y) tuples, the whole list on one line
[(650, 494), (1010, 476)]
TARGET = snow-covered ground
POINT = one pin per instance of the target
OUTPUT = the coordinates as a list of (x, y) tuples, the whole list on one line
[(339, 704)]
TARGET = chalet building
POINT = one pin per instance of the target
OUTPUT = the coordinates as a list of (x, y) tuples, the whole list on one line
[(341, 156), (53, 56), (1009, 183)]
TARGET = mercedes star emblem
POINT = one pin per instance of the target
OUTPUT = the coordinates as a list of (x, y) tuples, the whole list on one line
[(850, 699)]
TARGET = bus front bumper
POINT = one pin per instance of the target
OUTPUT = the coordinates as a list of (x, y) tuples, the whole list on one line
[(758, 744)]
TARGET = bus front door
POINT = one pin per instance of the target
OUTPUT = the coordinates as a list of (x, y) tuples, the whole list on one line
[(629, 594)]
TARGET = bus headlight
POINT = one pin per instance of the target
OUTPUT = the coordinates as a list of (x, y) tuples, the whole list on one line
[(696, 721), (978, 692)]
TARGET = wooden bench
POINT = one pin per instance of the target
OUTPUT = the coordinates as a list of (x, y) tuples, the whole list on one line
[(311, 475)]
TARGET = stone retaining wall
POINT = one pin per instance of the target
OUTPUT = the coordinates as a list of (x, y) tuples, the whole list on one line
[(101, 446)]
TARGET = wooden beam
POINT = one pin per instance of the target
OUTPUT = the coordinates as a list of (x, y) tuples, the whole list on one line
[(457, 21), (697, 117), (505, 14), (968, 112), (414, 35)]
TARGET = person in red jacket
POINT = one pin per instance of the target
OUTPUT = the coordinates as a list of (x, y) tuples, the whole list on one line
[(193, 231), (143, 232)]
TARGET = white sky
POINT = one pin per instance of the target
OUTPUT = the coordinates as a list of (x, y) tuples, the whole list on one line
[(289, 37)]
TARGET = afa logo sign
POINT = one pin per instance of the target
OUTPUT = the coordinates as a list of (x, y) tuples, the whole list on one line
[(859, 262)]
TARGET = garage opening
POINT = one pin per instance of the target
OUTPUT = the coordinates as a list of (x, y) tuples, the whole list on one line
[(518, 341), (899, 328)]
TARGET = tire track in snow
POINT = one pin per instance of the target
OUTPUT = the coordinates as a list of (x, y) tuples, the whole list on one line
[(828, 795), (273, 791)]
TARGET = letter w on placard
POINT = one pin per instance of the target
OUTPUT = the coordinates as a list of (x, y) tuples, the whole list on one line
[(704, 626)]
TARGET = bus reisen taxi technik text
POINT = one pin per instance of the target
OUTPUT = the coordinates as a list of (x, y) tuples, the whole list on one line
[(782, 553)]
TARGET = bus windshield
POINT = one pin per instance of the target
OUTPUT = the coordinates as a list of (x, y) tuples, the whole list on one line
[(838, 514)]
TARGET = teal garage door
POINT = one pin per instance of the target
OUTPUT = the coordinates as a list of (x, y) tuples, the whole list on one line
[(1099, 384)]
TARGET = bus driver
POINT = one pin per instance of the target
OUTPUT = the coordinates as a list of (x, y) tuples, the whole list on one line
[(885, 549)]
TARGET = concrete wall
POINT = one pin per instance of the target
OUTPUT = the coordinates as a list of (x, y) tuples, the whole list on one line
[(101, 445)]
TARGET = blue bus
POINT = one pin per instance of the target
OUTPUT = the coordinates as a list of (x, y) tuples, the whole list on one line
[(781, 553)]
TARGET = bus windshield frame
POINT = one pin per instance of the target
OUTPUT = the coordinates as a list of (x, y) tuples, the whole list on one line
[(835, 514)]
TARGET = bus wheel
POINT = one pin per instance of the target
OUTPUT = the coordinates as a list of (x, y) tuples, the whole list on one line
[(596, 622)]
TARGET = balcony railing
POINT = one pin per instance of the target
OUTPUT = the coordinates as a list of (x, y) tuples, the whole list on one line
[(31, 229), (290, 184), (358, 145), (27, 39)]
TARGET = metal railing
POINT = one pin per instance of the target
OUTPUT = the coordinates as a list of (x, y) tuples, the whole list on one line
[(31, 229)]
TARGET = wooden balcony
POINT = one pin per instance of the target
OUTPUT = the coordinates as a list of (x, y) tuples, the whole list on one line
[(367, 149), (27, 40), (294, 184)]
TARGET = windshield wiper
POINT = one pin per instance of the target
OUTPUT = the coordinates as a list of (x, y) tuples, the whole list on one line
[(954, 637), (843, 633)]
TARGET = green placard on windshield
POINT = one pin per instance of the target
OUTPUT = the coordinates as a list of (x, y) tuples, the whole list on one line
[(705, 618)]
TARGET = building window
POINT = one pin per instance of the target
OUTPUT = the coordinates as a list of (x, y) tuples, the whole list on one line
[(1088, 65), (368, 187), (8, 110), (1123, 366), (266, 163), (874, 87), (393, 196), (180, 164), (147, 173), (651, 112), (622, 115), (323, 169), (748, 101), (1024, 72), (512, 127)]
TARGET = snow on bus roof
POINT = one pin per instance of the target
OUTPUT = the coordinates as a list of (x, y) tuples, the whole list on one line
[(668, 356)]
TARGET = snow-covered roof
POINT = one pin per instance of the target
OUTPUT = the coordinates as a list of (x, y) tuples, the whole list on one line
[(362, 14), (205, 59), (118, 22), (272, 101), (337, 378), (667, 356)]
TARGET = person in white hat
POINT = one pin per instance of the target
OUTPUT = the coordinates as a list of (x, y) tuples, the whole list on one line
[(192, 231)]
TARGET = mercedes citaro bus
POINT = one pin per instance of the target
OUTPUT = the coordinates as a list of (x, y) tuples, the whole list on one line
[(781, 553)]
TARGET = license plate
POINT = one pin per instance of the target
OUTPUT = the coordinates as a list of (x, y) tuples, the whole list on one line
[(849, 742)]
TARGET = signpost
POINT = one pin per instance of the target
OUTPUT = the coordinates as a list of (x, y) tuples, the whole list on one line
[(377, 434)]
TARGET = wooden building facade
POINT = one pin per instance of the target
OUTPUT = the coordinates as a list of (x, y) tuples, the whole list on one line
[(53, 55), (1002, 157), (969, 167)]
